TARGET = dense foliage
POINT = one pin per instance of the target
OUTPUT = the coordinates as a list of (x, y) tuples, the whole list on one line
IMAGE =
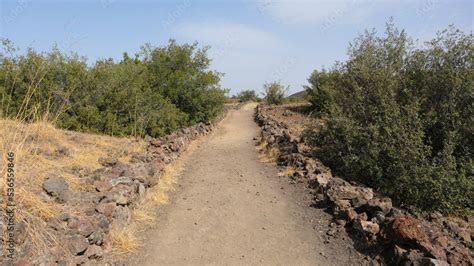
[(247, 95), (400, 118), (274, 92), (156, 92)]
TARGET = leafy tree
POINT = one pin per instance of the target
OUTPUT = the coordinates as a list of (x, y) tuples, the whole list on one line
[(181, 74), (400, 119), (321, 90), (248, 95), (158, 91), (274, 92)]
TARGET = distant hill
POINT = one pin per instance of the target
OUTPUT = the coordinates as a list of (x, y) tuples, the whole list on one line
[(298, 95)]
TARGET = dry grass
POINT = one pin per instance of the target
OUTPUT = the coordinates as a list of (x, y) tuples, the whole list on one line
[(268, 154), (287, 172), (35, 206), (124, 240), (41, 150), (261, 146), (143, 216)]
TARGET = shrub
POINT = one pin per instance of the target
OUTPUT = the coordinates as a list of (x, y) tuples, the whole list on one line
[(247, 95), (274, 93), (320, 92), (400, 119), (160, 90)]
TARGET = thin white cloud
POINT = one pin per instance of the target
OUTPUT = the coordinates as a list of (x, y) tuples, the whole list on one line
[(239, 50)]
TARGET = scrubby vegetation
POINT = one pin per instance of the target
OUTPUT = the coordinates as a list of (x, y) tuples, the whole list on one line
[(155, 92), (274, 92), (400, 118), (247, 95)]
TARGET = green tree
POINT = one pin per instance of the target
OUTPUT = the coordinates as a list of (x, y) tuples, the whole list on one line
[(400, 119), (274, 92), (247, 95), (156, 92), (321, 90), (181, 74)]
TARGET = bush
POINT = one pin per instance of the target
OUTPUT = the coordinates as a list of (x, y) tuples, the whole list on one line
[(158, 91), (274, 93), (320, 92), (247, 96), (399, 119)]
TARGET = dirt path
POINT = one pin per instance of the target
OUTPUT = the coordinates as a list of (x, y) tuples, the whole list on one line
[(231, 209)]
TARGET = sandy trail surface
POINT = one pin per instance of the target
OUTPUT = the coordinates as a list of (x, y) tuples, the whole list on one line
[(231, 209)]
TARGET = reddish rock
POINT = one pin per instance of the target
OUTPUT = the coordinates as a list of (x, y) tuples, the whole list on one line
[(465, 235), (368, 228), (103, 186), (77, 244), (349, 214), (94, 252), (138, 170), (458, 256), (106, 208), (341, 205), (404, 230), (21, 262), (153, 169), (337, 188), (440, 240), (82, 226), (433, 250), (121, 194), (363, 216), (156, 142), (318, 180)]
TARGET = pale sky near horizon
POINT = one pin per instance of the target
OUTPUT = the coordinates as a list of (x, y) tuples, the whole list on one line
[(251, 41)]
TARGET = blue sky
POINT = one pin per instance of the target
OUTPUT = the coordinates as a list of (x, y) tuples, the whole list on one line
[(251, 41)]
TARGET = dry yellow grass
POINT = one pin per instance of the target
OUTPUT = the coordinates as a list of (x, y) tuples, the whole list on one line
[(41, 150), (35, 206), (267, 154), (262, 145), (270, 155), (124, 240), (287, 172), (143, 216)]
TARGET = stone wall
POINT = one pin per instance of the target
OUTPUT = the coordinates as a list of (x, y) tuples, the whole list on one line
[(399, 237)]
